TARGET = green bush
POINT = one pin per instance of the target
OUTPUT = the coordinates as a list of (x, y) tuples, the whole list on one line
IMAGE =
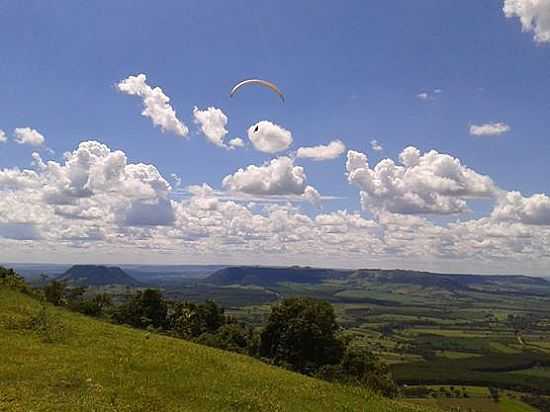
[(359, 366), (10, 279)]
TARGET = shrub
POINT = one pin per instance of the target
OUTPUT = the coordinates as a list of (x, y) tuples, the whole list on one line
[(234, 337), (54, 292), (359, 366), (10, 279)]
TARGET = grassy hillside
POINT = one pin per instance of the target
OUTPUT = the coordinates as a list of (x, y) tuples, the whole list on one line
[(61, 361)]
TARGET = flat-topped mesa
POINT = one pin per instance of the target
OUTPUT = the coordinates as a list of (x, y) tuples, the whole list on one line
[(97, 275)]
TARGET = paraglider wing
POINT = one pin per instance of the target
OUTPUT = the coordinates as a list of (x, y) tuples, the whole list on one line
[(258, 82)]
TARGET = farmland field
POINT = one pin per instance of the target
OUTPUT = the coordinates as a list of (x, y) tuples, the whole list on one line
[(430, 333)]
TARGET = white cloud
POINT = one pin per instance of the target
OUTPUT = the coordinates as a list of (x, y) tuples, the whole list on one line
[(312, 196), (96, 205), (376, 146), (97, 182), (423, 96), (177, 179), (533, 14), (268, 137), (212, 122), (489, 129), (26, 135), (156, 104), (3, 137), (278, 177), (429, 183), (236, 142), (533, 210), (322, 152)]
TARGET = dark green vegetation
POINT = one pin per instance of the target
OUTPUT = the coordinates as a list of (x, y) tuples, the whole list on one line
[(53, 359)]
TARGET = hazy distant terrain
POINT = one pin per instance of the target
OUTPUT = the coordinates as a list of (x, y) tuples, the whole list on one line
[(156, 274)]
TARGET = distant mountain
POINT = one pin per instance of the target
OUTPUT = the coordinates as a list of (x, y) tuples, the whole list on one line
[(265, 276), (95, 275), (269, 276), (447, 281)]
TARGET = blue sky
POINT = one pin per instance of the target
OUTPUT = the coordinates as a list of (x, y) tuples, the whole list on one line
[(349, 71)]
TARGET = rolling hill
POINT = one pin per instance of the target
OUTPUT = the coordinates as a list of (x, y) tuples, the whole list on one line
[(269, 276), (56, 360), (97, 275)]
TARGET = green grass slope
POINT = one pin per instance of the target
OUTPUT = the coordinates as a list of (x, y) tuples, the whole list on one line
[(82, 364)]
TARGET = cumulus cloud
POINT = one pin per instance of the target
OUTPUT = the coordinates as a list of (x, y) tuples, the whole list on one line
[(26, 135), (156, 104), (376, 146), (489, 129), (268, 137), (95, 182), (429, 183), (278, 177), (534, 16), (95, 198), (3, 137), (236, 142), (312, 196), (212, 122), (533, 210), (322, 152)]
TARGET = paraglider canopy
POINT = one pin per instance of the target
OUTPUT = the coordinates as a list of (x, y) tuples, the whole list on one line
[(257, 82)]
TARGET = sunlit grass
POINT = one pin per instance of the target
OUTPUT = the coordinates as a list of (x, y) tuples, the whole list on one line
[(97, 366)]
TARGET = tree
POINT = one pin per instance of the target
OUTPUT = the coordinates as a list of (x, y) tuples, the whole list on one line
[(9, 278), (359, 366), (190, 320), (54, 292), (144, 309), (102, 300), (234, 337), (301, 332)]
